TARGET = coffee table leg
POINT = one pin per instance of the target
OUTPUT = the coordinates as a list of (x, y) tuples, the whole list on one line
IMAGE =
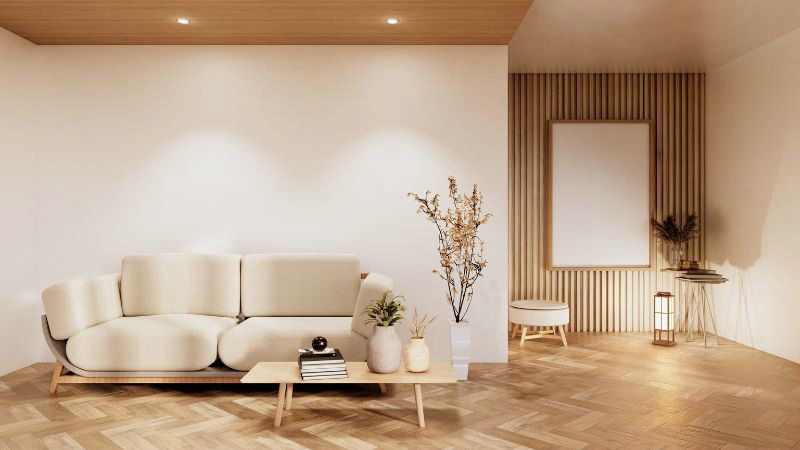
[(281, 400), (383, 387), (418, 399), (289, 391)]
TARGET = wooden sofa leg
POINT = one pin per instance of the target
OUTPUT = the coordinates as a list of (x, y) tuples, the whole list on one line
[(56, 375)]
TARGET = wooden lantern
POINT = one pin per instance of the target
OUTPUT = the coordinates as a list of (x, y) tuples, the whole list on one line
[(664, 319)]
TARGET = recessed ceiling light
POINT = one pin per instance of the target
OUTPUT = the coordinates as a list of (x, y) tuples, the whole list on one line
[(392, 20), (183, 20)]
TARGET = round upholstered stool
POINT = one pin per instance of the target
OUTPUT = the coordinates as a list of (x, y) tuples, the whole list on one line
[(538, 313)]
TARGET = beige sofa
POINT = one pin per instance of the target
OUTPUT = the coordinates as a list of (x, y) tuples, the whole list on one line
[(205, 318)]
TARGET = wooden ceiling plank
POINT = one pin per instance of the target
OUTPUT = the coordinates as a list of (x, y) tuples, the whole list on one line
[(149, 22)]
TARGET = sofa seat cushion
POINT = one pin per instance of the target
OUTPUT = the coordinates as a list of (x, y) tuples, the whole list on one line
[(260, 339), (161, 342)]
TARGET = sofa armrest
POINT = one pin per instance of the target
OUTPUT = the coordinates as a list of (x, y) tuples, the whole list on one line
[(73, 306), (372, 288)]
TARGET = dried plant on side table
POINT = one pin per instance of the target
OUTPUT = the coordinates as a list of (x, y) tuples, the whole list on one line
[(675, 235)]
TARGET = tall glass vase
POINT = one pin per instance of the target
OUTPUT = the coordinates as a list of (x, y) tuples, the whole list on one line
[(677, 255)]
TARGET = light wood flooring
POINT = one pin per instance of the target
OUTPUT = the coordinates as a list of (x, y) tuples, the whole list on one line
[(603, 391)]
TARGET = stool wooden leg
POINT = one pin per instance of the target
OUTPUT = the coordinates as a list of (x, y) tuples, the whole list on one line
[(514, 330), (524, 333), (382, 387), (563, 336)]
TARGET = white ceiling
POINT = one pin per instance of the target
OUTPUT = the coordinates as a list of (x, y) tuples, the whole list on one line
[(645, 35)]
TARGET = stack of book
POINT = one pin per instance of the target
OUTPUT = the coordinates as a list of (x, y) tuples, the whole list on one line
[(322, 366), (701, 275)]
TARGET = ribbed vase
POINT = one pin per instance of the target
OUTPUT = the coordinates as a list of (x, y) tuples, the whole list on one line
[(460, 342)]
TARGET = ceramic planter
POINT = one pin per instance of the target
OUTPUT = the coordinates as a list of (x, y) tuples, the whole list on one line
[(383, 350), (460, 341), (417, 357)]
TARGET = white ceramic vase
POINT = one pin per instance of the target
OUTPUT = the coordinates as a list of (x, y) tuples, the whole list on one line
[(383, 350), (417, 357), (460, 341)]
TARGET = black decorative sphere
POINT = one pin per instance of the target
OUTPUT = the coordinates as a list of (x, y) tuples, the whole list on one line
[(319, 344)]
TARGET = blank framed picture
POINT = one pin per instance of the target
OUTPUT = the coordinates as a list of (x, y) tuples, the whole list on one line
[(600, 178)]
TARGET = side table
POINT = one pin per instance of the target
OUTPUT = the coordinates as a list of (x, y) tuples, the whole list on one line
[(698, 304)]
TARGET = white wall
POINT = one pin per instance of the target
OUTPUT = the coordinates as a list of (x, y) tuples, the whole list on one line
[(753, 195), (264, 149), (20, 331)]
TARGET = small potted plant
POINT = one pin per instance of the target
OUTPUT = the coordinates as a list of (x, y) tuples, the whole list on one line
[(383, 346), (417, 357)]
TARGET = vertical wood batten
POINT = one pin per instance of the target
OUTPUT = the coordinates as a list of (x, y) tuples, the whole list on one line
[(602, 300)]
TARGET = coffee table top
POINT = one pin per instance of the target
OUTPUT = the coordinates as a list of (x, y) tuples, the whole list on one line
[(357, 373)]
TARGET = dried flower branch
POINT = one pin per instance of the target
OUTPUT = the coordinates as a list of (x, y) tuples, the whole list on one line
[(460, 249), (418, 325)]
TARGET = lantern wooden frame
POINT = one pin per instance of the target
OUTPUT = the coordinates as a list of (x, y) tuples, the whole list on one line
[(664, 319)]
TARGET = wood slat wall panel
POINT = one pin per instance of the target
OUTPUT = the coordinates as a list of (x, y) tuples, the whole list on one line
[(603, 300)]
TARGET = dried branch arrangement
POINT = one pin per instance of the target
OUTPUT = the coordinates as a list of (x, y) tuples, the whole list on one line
[(673, 234), (418, 325), (460, 248)]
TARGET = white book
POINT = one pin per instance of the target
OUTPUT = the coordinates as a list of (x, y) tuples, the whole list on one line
[(322, 362), (324, 377), (337, 368), (314, 374)]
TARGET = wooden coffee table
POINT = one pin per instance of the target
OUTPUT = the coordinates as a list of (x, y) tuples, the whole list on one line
[(287, 374)]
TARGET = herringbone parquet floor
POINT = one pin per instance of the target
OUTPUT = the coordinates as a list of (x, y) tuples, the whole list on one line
[(603, 391)]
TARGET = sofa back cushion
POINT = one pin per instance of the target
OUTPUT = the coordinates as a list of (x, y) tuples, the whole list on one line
[(180, 284), (300, 284), (73, 306)]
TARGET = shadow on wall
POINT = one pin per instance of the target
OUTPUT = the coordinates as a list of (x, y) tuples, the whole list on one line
[(21, 331), (737, 317), (752, 235), (737, 210), (735, 238)]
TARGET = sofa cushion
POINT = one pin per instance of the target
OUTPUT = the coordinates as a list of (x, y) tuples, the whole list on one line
[(372, 288), (180, 284), (300, 284), (260, 339), (161, 342), (72, 306)]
